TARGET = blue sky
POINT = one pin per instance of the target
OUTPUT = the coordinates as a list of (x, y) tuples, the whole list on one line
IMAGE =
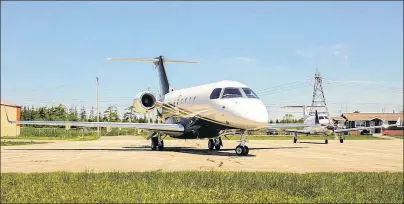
[(51, 52)]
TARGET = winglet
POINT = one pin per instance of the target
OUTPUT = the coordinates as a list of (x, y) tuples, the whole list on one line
[(317, 121)]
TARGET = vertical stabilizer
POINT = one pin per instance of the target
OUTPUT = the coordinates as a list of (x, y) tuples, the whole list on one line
[(317, 120), (162, 74), (159, 63)]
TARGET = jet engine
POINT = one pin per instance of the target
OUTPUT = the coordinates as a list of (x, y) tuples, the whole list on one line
[(144, 102)]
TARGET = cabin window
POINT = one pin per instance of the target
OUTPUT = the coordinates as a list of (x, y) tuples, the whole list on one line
[(215, 93), (194, 98), (181, 101), (232, 93), (249, 93), (185, 101)]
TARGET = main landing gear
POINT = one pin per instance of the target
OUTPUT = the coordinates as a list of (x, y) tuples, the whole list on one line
[(341, 138), (215, 143), (295, 139), (157, 143)]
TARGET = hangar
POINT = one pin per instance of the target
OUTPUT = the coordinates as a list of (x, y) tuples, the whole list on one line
[(14, 113)]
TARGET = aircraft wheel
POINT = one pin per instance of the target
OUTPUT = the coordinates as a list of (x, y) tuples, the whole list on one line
[(217, 147), (161, 147), (245, 150), (294, 140), (211, 144), (341, 140), (239, 150), (154, 142), (220, 141), (326, 141)]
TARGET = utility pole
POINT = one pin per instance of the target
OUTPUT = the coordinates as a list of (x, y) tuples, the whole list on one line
[(110, 113), (98, 109), (318, 95)]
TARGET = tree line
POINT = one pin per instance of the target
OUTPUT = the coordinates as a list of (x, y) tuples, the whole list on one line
[(62, 113), (288, 118)]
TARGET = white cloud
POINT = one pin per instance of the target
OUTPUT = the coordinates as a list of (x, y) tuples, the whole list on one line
[(243, 59)]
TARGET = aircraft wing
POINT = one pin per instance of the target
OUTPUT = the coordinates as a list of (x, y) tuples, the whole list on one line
[(147, 126), (298, 131), (280, 125)]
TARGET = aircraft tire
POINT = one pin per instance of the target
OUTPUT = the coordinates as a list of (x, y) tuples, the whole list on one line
[(294, 140), (161, 147), (154, 143), (326, 141), (341, 140), (246, 150), (239, 150), (217, 147), (211, 144)]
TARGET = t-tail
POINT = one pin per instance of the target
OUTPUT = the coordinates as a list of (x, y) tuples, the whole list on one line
[(317, 120), (159, 63)]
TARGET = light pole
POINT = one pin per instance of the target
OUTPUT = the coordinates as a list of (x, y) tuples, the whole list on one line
[(98, 110)]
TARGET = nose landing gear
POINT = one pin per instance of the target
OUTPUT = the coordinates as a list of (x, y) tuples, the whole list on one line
[(341, 138), (242, 149)]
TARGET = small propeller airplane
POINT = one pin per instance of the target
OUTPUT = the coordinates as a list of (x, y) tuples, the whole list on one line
[(207, 111), (327, 126)]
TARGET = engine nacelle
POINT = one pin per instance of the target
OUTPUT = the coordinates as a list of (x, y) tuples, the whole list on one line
[(144, 102)]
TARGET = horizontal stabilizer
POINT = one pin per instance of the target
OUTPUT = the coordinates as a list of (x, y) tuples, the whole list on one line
[(151, 60), (302, 106)]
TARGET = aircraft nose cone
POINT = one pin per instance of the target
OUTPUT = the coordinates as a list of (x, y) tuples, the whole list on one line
[(259, 115), (324, 121)]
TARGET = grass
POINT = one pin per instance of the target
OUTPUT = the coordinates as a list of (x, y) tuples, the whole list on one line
[(14, 143), (363, 137), (202, 187)]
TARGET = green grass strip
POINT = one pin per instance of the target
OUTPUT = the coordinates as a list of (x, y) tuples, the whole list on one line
[(202, 187)]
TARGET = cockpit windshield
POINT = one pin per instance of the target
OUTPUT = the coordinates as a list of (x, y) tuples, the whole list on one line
[(249, 93), (232, 93)]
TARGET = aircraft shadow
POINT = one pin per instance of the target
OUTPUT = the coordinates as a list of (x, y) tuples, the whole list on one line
[(313, 143), (221, 152), (186, 150)]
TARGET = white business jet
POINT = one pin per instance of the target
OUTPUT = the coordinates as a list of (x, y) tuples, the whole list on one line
[(207, 111), (327, 126)]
